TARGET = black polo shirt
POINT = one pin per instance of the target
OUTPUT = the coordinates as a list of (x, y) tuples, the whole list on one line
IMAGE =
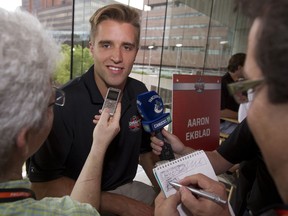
[(241, 146), (68, 145)]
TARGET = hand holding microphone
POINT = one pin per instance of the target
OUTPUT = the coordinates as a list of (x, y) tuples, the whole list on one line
[(151, 108)]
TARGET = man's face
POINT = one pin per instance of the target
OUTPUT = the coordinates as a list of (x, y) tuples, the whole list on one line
[(268, 122), (114, 51), (258, 113)]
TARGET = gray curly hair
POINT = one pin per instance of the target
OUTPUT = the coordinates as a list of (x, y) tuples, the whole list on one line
[(28, 56)]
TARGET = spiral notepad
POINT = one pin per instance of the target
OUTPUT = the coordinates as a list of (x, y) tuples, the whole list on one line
[(193, 163)]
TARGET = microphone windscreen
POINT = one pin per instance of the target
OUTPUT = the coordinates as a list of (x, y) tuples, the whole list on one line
[(150, 105)]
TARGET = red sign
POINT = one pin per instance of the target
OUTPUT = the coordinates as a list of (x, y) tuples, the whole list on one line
[(196, 110)]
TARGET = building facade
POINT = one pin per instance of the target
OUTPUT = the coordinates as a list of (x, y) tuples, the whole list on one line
[(177, 36)]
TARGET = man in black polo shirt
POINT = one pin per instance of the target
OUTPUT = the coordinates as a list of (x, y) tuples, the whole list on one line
[(229, 107), (239, 147), (115, 32)]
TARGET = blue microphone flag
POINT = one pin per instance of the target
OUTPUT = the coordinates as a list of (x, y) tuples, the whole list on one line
[(151, 108)]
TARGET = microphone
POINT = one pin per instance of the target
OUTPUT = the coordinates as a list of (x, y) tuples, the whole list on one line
[(151, 108)]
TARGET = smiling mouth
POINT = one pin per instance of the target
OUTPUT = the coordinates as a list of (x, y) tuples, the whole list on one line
[(115, 68)]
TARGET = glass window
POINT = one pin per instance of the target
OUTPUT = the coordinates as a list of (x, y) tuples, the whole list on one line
[(177, 36)]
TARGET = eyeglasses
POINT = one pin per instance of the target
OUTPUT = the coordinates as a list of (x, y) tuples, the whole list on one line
[(59, 97), (241, 90)]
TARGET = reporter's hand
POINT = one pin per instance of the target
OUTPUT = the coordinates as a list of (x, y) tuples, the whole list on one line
[(167, 206), (107, 127), (177, 146), (199, 206)]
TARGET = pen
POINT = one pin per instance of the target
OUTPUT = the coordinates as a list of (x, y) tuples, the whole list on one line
[(201, 193)]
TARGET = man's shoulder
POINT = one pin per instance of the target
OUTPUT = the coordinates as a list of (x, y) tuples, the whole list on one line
[(133, 88), (226, 78), (49, 206), (79, 81), (136, 85), (75, 86)]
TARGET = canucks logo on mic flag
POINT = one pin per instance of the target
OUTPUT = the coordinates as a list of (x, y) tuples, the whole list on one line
[(158, 108), (151, 108)]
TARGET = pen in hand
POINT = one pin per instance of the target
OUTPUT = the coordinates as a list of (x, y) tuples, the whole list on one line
[(201, 193)]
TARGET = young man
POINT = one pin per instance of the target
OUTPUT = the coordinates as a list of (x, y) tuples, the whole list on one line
[(266, 71), (115, 33), (28, 58), (229, 107)]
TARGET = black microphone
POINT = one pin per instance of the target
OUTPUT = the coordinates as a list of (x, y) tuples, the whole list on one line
[(151, 108)]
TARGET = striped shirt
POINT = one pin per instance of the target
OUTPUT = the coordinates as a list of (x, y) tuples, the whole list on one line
[(46, 206)]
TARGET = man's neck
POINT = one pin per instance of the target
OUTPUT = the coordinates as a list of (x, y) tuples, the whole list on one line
[(13, 170), (11, 176), (234, 76)]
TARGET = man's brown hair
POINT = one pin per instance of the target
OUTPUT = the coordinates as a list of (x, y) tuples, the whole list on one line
[(117, 12)]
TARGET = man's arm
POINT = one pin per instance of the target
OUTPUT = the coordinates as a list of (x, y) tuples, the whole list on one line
[(227, 113), (122, 205), (147, 161), (87, 188), (219, 163)]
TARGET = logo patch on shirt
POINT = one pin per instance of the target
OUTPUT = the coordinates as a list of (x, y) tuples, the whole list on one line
[(135, 123)]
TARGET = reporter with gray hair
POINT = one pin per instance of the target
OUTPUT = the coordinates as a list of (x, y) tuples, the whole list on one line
[(28, 57)]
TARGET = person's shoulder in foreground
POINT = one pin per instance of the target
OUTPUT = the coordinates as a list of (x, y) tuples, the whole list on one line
[(46, 206), (28, 59), (266, 65)]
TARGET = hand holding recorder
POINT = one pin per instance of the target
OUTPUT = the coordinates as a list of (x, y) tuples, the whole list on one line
[(111, 100)]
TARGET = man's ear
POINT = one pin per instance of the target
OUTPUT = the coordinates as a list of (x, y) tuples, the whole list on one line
[(239, 67), (22, 140), (136, 54), (91, 47)]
